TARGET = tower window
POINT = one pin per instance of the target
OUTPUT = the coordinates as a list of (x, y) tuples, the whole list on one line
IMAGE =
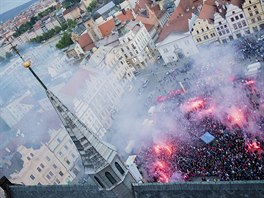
[(32, 177), (119, 168), (110, 178), (99, 182)]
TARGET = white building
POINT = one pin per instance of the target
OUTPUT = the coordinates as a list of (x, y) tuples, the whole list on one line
[(61, 145), (98, 103), (176, 45), (51, 23), (45, 104), (237, 22), (16, 110), (53, 163), (222, 29), (203, 32), (75, 51), (254, 14), (135, 43), (110, 60), (95, 97), (262, 3)]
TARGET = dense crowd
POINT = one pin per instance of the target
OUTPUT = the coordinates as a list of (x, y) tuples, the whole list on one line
[(228, 157), (250, 47), (237, 152), (234, 154)]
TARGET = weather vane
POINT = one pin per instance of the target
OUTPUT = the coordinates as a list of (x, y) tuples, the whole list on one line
[(26, 64)]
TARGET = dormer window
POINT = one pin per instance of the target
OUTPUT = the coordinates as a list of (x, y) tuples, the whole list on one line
[(110, 178)]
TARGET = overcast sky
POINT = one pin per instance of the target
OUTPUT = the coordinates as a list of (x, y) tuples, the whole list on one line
[(6, 5)]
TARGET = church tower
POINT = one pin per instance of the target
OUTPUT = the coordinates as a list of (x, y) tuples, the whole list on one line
[(100, 160)]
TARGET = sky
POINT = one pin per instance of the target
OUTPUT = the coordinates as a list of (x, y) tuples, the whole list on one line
[(6, 5)]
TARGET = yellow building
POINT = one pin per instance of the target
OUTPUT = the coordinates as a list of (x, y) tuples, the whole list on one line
[(72, 13), (203, 32), (53, 163), (254, 14)]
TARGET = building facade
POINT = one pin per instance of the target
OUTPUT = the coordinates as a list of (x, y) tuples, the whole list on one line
[(136, 44), (100, 160), (175, 46), (222, 29), (254, 15), (13, 112), (203, 32), (237, 22), (53, 163), (98, 101)]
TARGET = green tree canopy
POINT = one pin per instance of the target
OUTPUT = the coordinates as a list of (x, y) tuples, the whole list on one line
[(69, 3), (65, 41), (29, 25), (92, 6)]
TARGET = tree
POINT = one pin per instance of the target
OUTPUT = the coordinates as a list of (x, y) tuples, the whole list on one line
[(71, 23), (65, 41), (29, 24), (92, 6), (57, 29), (69, 3)]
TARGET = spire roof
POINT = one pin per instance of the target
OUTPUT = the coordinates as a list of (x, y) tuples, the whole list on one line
[(95, 154)]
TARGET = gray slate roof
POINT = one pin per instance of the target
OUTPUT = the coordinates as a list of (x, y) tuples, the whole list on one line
[(58, 191)]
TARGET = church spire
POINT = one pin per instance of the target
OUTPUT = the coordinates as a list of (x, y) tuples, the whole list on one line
[(94, 153), (99, 159)]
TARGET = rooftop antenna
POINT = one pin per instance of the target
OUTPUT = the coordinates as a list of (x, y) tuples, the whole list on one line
[(26, 64)]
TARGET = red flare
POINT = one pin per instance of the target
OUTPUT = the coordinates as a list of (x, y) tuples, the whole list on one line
[(163, 178), (250, 82), (254, 146), (160, 164), (193, 105), (161, 99), (236, 116), (166, 148)]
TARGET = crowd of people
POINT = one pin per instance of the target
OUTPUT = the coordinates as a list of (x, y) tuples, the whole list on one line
[(237, 152), (234, 154), (229, 157), (250, 47)]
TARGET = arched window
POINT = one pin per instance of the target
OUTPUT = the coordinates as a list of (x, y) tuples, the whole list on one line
[(110, 178), (119, 168), (99, 182)]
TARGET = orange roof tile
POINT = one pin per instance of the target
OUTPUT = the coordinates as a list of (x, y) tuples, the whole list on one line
[(148, 26), (156, 9), (145, 20), (179, 25), (86, 42), (107, 27), (238, 3), (141, 4), (210, 2), (207, 12), (178, 21)]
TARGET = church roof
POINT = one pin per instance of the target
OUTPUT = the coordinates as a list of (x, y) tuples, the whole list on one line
[(95, 154), (227, 189), (59, 191), (85, 42)]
